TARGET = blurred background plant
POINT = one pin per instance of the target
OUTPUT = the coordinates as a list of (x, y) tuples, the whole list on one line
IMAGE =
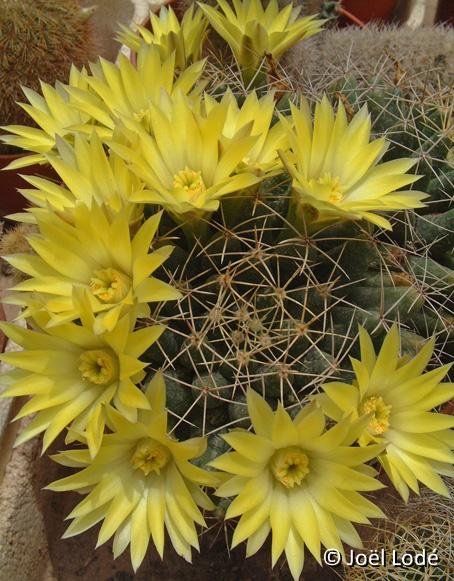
[(39, 42)]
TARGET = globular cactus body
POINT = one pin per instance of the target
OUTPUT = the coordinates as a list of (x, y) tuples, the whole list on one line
[(39, 41)]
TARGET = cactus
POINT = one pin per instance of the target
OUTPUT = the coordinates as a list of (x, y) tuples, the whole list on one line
[(14, 240), (399, 53), (270, 308), (267, 306), (39, 41)]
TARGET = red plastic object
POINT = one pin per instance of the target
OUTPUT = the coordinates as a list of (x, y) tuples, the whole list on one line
[(362, 11)]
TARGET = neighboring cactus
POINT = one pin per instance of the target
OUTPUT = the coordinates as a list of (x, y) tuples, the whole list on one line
[(14, 241), (423, 525), (39, 41), (396, 52)]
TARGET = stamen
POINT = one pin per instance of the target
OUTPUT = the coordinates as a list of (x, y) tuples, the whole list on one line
[(290, 466), (98, 366), (150, 456), (379, 422), (190, 181), (109, 285)]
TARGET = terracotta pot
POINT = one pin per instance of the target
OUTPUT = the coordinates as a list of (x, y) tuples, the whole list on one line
[(10, 180), (445, 12), (366, 10), (2, 335)]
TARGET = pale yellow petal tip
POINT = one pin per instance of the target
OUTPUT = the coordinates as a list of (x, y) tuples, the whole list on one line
[(68, 534)]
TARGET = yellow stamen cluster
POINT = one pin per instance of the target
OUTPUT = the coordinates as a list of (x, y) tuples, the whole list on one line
[(190, 181), (98, 366), (290, 466), (109, 285), (150, 456), (334, 187), (379, 422)]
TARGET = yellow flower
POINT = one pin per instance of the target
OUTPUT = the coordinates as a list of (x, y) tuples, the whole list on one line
[(71, 374), (125, 90), (182, 161), (169, 35), (93, 102), (140, 484), (297, 480), (253, 32), (336, 171), (396, 397), (95, 255), (255, 116), (54, 116), (89, 175)]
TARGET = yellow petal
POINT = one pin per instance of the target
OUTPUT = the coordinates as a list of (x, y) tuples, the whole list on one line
[(310, 422), (234, 463), (305, 520), (294, 551), (421, 422), (280, 522), (368, 356), (254, 492), (122, 538), (336, 503), (344, 396), (181, 546), (284, 432), (251, 446), (260, 412), (250, 522), (347, 532), (421, 445), (85, 522), (231, 487), (155, 512), (386, 362), (256, 540), (120, 508), (156, 392)]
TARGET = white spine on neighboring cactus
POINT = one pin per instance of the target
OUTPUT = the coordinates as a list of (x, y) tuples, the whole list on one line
[(143, 7), (141, 11)]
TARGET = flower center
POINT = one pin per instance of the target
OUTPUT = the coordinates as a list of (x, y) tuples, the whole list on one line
[(190, 181), (290, 466), (379, 422), (150, 456), (98, 366), (110, 285), (332, 188)]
